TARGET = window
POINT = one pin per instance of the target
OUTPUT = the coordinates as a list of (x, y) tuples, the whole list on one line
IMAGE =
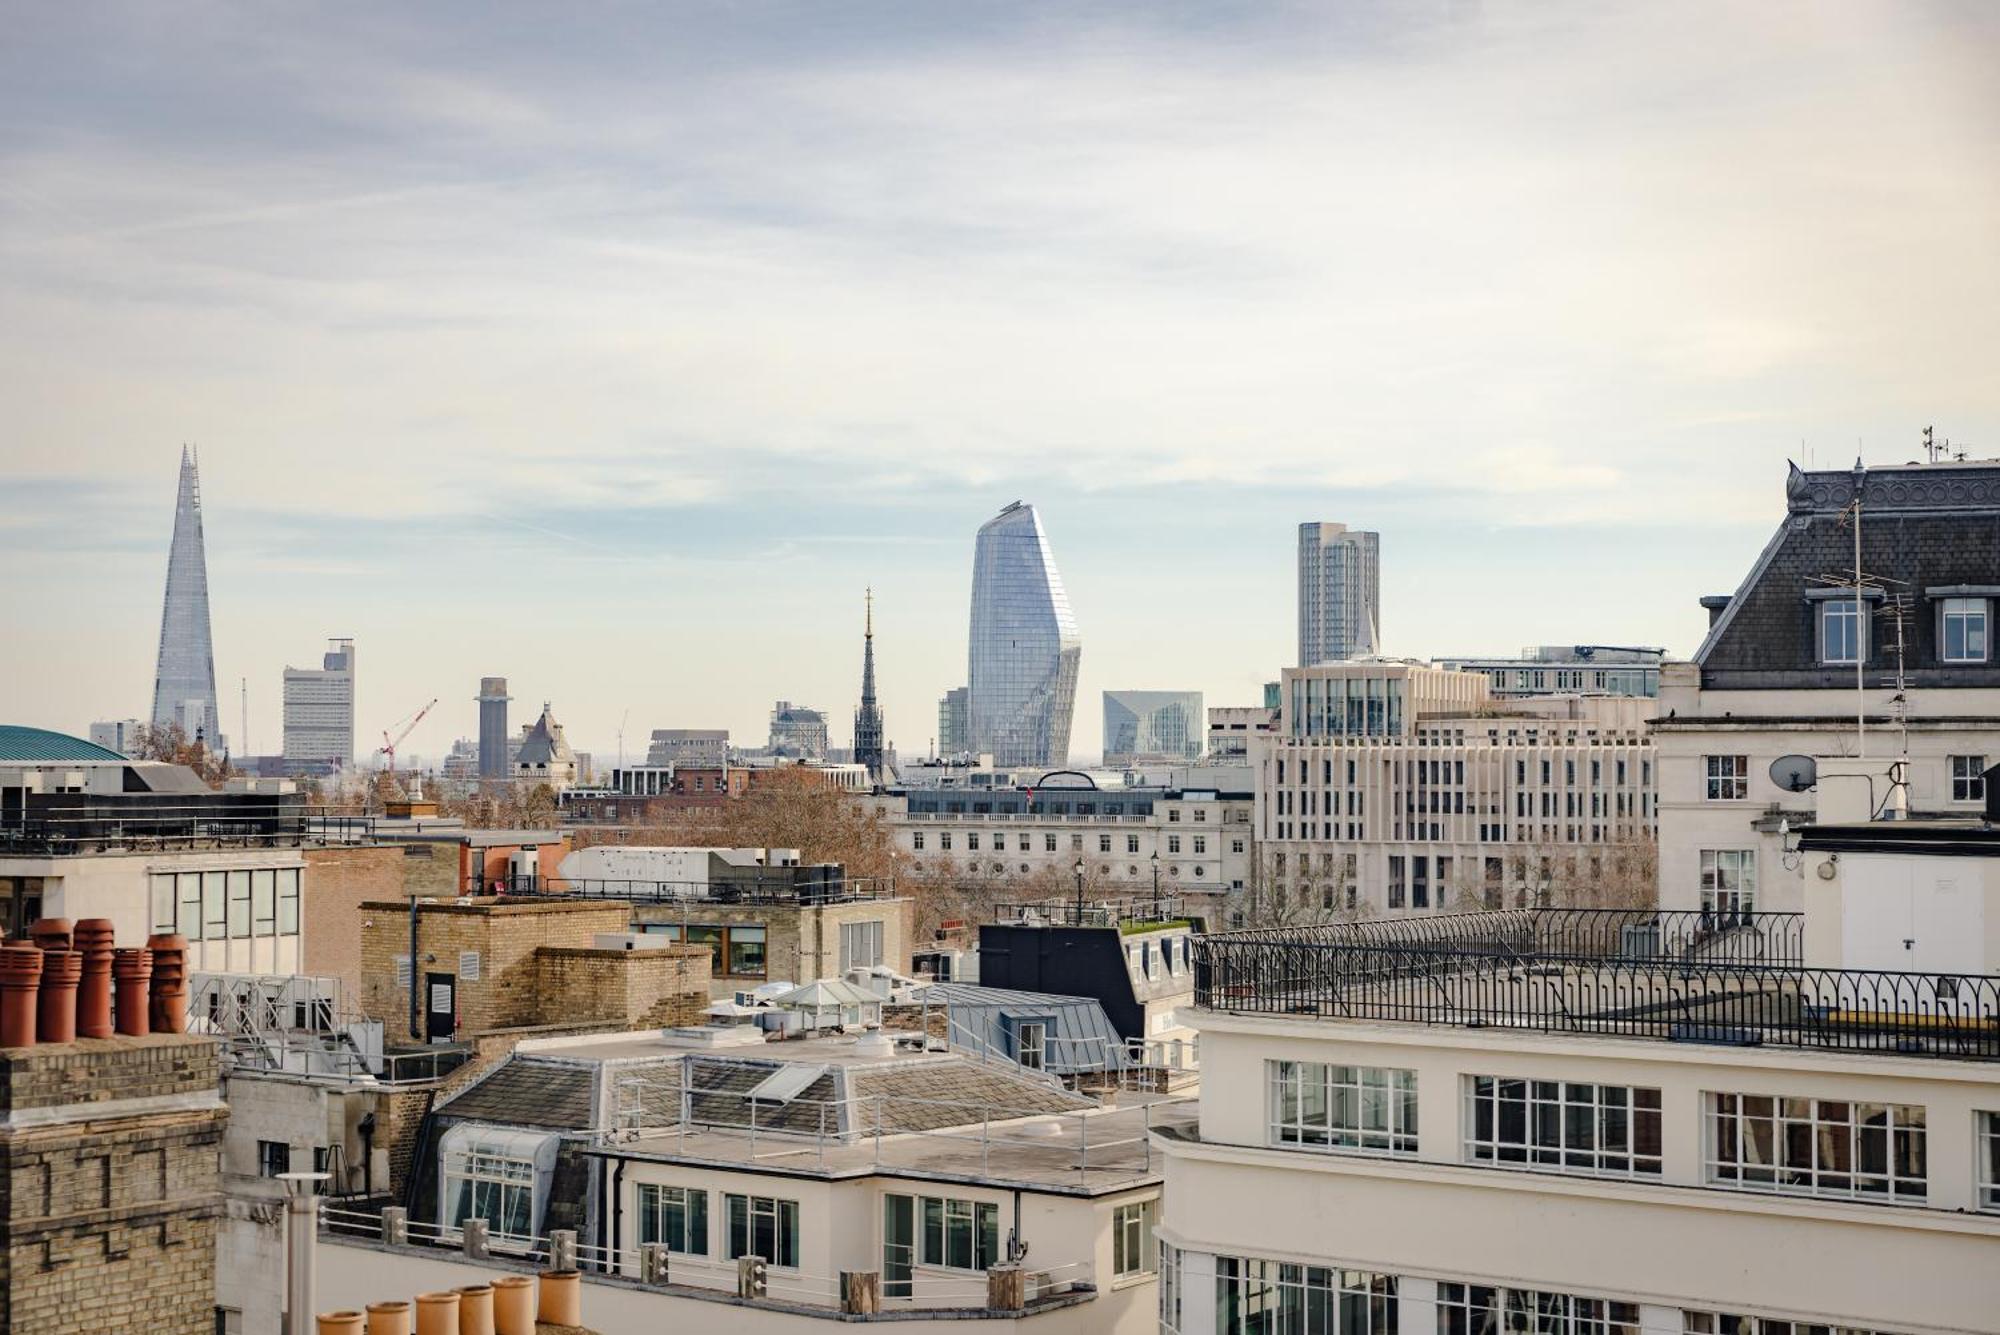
[(1728, 881), (860, 945), (972, 842), (676, 1217), (263, 903), (1274, 1298), (737, 951), (1173, 815), (1989, 1161), (944, 841), (1031, 1044), (960, 1235), (1840, 634), (1104, 843), (1369, 1108), (1728, 778), (1200, 845), (999, 840), (1968, 783), (1048, 843), (1962, 630), (1817, 1147), (1604, 1129), (273, 1157), (288, 901), (1396, 882), (763, 1226), (1466, 1308), (1716, 1323), (917, 841), (1132, 1239), (1235, 845), (746, 952), (1173, 843), (482, 1180), (1131, 843)]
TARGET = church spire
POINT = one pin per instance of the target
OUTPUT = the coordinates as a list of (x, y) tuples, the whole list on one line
[(868, 749)]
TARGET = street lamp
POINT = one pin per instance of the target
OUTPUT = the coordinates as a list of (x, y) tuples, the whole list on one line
[(1078, 869), (1156, 885)]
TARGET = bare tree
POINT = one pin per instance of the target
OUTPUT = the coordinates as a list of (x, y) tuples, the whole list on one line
[(170, 743)]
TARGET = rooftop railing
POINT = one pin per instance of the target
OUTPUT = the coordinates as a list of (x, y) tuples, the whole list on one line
[(141, 823), (1134, 911), (1673, 980), (771, 889)]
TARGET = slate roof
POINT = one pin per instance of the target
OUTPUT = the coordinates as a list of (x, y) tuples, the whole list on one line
[(1923, 526), (524, 1092), (545, 744), (40, 746)]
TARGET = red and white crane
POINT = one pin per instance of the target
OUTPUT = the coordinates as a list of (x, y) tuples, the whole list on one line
[(403, 729)]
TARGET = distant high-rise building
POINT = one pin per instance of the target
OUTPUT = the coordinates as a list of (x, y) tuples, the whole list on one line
[(184, 681), (688, 746), (119, 734), (1340, 593), (798, 733), (1152, 725), (319, 709), (868, 718), (1024, 646), (493, 740), (955, 722)]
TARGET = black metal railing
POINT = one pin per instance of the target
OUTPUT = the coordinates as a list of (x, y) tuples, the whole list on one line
[(147, 823), (1662, 997), (773, 889), (1140, 908), (1698, 935)]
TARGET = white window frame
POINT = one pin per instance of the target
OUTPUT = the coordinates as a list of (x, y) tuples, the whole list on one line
[(1251, 1294), (1988, 1154), (861, 944), (784, 1217), (980, 1225), (1973, 617), (1843, 609), (1564, 1126), (1752, 1142), (654, 1201), (1968, 781), (1728, 778), (1728, 881), (1722, 1323), (1132, 1249), (1342, 1109), (1483, 1307)]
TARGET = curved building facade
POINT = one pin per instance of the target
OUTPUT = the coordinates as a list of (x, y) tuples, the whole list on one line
[(1025, 649)]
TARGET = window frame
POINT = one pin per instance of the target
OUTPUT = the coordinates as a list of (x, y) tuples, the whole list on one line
[(1986, 1153), (1731, 901), (1728, 781), (1845, 609), (1729, 1122), (1553, 1137), (1341, 1108), (691, 1237), (740, 1213), (1484, 1307), (955, 1229), (1133, 1252), (1965, 611), (1968, 781)]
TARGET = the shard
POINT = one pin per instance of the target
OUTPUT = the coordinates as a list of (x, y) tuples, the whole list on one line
[(1025, 649), (184, 683)]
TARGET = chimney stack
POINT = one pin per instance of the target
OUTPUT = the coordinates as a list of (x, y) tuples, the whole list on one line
[(168, 1012), (132, 974), (94, 942), (20, 981), (55, 1020)]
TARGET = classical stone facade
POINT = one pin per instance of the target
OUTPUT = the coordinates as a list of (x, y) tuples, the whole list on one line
[(109, 1152)]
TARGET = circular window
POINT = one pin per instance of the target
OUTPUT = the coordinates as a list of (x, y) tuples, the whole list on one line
[(1104, 870), (1024, 868), (1198, 871), (1173, 871), (1131, 871), (998, 869)]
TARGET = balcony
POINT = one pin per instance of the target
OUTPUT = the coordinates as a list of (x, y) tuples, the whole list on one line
[(1673, 976)]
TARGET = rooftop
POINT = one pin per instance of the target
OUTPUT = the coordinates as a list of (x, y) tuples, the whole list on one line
[(1676, 976), (40, 746)]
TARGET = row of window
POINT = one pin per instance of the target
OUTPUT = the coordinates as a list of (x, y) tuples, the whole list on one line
[(1258, 1297), (1729, 778), (1426, 773), (1758, 1142), (919, 841), (1962, 631), (739, 950), (227, 905)]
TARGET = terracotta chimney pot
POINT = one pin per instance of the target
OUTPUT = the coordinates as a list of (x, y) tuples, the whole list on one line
[(339, 1323), (168, 1012), (437, 1313), (561, 1298), (94, 938), (55, 1016), (389, 1318), (20, 986), (131, 975), (475, 1309), (50, 933), (513, 1305)]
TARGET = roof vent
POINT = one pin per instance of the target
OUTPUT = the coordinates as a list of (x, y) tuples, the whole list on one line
[(786, 1083)]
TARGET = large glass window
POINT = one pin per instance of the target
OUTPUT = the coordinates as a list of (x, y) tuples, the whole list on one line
[(1369, 1108), (1968, 781), (960, 1235), (763, 1226), (1581, 1128), (1275, 1298), (1718, 1323), (860, 945), (1989, 1161), (1840, 631), (675, 1216), (1962, 630), (1728, 881), (483, 1183), (1474, 1309), (1818, 1147), (1728, 778), (746, 952), (288, 901), (214, 918), (1132, 1251)]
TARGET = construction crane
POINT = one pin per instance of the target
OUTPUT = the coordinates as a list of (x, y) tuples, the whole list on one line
[(403, 729)]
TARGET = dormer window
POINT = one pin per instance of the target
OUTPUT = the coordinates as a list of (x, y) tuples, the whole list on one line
[(1842, 631), (1962, 630)]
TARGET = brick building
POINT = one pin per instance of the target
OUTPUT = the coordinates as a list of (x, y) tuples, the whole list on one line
[(109, 1153)]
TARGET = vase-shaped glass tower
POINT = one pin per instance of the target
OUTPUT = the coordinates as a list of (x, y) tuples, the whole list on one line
[(1024, 652), (184, 682)]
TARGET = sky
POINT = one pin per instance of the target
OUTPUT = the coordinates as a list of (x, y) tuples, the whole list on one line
[(615, 349)]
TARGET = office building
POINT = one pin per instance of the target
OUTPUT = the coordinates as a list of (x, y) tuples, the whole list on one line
[(120, 735), (1231, 729), (868, 716), (1160, 726), (1024, 650), (1579, 669), (1776, 676), (1397, 787), (1340, 593), (1622, 1123), (495, 760), (319, 710), (184, 680), (955, 722), (798, 733), (688, 746)]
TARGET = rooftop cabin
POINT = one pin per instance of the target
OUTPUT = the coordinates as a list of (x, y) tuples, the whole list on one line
[(1131, 955)]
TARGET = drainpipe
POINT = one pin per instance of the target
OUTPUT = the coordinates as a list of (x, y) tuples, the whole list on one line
[(414, 1033), (301, 1242), (617, 1266)]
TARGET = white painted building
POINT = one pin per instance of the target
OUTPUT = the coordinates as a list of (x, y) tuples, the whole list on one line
[(319, 709)]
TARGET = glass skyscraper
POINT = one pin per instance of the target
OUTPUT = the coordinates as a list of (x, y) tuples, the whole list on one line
[(1166, 725), (1340, 593), (184, 679), (1022, 665)]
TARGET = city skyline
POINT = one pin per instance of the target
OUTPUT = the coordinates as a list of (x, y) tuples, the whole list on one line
[(426, 315)]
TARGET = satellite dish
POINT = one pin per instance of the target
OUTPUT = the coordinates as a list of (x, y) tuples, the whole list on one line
[(1794, 774)]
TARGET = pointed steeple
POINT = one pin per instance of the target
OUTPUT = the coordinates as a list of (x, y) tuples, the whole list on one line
[(868, 748), (184, 680)]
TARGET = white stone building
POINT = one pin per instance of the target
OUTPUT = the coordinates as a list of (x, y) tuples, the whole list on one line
[(319, 709)]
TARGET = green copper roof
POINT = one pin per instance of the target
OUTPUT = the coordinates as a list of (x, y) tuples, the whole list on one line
[(39, 744)]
